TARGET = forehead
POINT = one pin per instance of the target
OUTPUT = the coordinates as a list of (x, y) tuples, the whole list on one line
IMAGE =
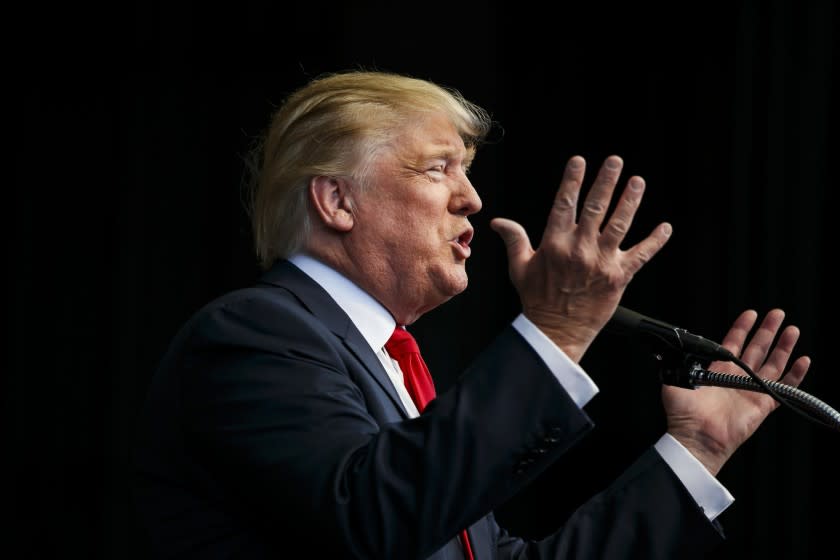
[(430, 133)]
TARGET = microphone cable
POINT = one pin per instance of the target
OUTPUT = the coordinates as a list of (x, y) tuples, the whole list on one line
[(799, 401), (681, 352)]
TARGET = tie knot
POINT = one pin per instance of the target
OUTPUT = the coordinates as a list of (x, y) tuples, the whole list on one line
[(401, 343)]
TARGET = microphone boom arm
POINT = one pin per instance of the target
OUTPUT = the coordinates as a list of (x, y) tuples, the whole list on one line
[(688, 373)]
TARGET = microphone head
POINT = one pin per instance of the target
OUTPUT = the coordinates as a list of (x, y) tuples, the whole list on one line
[(630, 323), (624, 321)]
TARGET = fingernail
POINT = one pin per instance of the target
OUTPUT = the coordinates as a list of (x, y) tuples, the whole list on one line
[(636, 184), (575, 163), (666, 229)]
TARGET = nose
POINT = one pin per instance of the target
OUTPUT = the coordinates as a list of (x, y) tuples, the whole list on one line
[(465, 200)]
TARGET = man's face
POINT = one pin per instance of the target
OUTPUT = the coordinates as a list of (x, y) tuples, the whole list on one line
[(411, 225)]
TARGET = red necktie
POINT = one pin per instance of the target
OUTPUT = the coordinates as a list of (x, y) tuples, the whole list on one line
[(403, 348)]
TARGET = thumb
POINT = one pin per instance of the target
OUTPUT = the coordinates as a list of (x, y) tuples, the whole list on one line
[(516, 240)]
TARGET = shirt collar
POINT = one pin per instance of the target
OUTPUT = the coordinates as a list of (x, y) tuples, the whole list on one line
[(368, 315)]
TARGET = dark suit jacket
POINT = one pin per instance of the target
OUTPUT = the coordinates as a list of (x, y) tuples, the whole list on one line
[(271, 426)]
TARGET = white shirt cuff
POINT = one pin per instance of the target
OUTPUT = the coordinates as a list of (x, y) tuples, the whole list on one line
[(570, 375), (709, 494)]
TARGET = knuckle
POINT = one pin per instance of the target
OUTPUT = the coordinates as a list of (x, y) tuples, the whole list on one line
[(632, 200), (579, 254), (557, 248), (593, 207), (643, 256), (564, 202), (618, 226)]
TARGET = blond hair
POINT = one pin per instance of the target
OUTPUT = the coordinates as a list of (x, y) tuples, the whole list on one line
[(334, 126)]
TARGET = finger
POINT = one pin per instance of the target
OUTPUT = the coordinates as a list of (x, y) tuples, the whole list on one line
[(797, 372), (775, 365), (598, 200), (761, 341), (516, 240), (564, 210), (622, 217), (642, 252), (737, 335)]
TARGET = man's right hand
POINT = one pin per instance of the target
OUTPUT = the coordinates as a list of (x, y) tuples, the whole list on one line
[(572, 283)]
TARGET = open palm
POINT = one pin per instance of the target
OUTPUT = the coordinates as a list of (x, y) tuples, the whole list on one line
[(712, 422)]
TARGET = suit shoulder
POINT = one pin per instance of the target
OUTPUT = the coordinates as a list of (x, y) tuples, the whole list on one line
[(249, 315)]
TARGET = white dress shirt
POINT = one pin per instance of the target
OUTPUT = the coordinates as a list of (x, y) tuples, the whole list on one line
[(376, 325)]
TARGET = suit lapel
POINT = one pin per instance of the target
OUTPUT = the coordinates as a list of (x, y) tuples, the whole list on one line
[(480, 539), (287, 276)]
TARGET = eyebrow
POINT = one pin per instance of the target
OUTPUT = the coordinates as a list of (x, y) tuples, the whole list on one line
[(448, 153)]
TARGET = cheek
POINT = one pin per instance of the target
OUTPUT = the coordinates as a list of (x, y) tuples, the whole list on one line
[(420, 227)]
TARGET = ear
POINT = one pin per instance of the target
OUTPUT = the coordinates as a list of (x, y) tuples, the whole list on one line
[(331, 200)]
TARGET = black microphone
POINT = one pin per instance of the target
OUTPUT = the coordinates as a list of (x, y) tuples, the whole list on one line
[(627, 322)]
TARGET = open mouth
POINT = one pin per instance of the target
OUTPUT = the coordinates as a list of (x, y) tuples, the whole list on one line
[(462, 242), (464, 239)]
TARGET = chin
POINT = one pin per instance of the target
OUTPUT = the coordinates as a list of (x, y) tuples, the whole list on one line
[(456, 283), (447, 281)]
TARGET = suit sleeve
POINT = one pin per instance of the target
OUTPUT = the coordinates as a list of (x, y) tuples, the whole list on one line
[(645, 513)]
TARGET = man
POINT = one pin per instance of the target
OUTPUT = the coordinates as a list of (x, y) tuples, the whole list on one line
[(280, 420)]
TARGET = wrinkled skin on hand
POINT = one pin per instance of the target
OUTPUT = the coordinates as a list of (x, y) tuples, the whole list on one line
[(571, 284)]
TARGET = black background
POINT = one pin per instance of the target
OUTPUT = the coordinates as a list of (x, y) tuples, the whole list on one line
[(129, 123)]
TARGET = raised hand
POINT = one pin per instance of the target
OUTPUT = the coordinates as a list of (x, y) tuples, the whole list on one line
[(571, 284), (712, 422)]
